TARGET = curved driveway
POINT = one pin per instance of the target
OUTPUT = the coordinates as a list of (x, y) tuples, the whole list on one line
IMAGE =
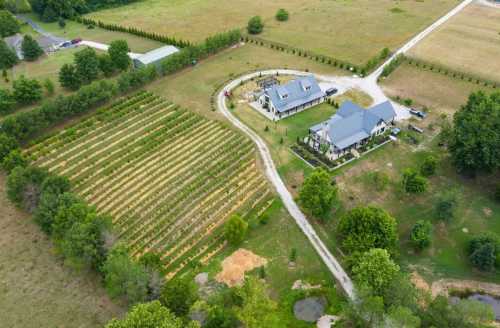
[(368, 85), (285, 195)]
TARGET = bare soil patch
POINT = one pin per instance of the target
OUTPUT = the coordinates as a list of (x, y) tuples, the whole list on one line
[(235, 266)]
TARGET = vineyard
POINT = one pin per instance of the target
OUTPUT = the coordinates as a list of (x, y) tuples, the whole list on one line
[(169, 178)]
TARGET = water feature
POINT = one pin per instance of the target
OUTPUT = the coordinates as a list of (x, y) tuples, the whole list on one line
[(483, 298)]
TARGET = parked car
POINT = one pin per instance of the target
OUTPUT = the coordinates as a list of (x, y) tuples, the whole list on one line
[(418, 113), (395, 131), (65, 44), (415, 128), (331, 92), (75, 41)]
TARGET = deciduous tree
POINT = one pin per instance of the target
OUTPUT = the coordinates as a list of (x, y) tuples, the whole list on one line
[(118, 52), (87, 65), (255, 25), (375, 270), (7, 101), (282, 15), (179, 295), (318, 194), (413, 182), (257, 309), (369, 227), (27, 91), (68, 77), (8, 24), (475, 138)]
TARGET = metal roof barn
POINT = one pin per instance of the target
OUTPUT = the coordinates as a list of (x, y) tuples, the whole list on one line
[(154, 57)]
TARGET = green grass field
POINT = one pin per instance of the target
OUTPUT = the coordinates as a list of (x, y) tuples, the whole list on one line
[(439, 92), (37, 290), (469, 42), (193, 87), (350, 30)]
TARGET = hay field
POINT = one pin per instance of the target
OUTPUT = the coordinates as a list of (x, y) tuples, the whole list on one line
[(469, 42), (350, 30)]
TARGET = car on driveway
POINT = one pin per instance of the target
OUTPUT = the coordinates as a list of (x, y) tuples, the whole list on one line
[(418, 113), (331, 92)]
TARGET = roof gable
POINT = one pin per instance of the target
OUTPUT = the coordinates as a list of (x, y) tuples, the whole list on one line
[(157, 54), (294, 93), (352, 123)]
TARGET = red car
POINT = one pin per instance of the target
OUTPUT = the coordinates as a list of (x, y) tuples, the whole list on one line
[(75, 41)]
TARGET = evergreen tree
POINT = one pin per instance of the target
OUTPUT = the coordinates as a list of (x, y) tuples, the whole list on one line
[(30, 48), (8, 57)]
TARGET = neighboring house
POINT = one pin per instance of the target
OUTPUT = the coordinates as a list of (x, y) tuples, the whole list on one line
[(351, 127), (154, 57), (295, 96), (14, 42)]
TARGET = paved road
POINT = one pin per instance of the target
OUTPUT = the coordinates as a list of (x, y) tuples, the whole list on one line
[(368, 85), (40, 30)]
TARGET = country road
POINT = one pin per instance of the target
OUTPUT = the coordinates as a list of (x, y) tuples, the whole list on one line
[(369, 85)]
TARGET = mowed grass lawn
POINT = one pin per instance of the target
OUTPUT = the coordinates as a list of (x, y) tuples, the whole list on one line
[(350, 30), (36, 289), (469, 42), (439, 91), (193, 87)]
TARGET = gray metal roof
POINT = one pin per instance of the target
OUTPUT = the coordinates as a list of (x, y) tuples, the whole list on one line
[(294, 93), (157, 54), (352, 123)]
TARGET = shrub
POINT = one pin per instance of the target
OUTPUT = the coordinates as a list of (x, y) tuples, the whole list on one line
[(446, 206), (7, 101), (235, 230), (421, 234), (413, 182), (179, 295), (282, 15), (14, 159), (428, 166), (255, 25), (483, 251)]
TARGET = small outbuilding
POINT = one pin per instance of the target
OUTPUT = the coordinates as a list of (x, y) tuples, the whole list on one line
[(154, 57)]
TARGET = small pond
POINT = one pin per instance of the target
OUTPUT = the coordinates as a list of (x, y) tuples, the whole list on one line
[(483, 298)]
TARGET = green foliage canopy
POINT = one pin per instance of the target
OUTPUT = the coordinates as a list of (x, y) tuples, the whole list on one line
[(30, 48), (318, 194), (255, 25), (420, 235), (369, 227), (8, 24), (375, 270), (235, 230)]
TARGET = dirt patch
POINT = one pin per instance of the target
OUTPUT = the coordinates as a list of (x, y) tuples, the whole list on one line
[(235, 266), (487, 211), (445, 286), (419, 282)]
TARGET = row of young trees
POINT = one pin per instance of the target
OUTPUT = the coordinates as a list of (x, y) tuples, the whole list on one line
[(135, 31), (88, 65), (24, 92)]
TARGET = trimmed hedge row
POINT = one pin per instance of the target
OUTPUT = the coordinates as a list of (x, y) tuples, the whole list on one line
[(135, 31), (363, 70), (452, 73)]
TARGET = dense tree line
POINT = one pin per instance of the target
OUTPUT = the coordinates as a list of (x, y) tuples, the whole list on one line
[(8, 24), (52, 10), (88, 66), (8, 57)]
